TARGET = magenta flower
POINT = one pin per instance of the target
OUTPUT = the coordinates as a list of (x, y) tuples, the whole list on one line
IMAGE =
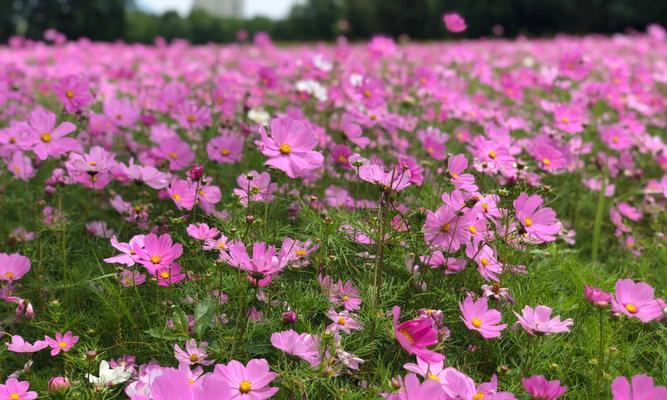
[(46, 139), (61, 342), (225, 149), (304, 345), (20, 166), (128, 254), (540, 223), (202, 231), (145, 174), (569, 118), (73, 92), (635, 300), (182, 192), (396, 179), (597, 296), (261, 267), (488, 265), (541, 389), (477, 316), (13, 266), (455, 166), (454, 22), (642, 388), (538, 321), (122, 112), (412, 389), (457, 385), (345, 294), (167, 276), (446, 229), (13, 389), (290, 147), (342, 321), (250, 381), (19, 345), (158, 252), (176, 152), (416, 335), (191, 116), (253, 186), (192, 354)]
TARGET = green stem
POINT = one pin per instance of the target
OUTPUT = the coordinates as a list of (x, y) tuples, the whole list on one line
[(599, 212), (601, 345)]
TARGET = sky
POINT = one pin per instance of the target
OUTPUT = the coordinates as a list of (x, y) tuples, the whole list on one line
[(267, 8)]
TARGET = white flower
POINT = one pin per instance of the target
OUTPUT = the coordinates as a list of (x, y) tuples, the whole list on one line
[(259, 115), (313, 88), (321, 63), (109, 376)]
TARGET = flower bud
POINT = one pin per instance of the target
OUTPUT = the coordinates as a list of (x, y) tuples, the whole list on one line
[(196, 172), (289, 317), (58, 384)]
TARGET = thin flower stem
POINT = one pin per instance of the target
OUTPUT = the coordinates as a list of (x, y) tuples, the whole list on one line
[(599, 212)]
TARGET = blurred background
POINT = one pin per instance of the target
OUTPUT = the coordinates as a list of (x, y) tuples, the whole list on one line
[(202, 21)]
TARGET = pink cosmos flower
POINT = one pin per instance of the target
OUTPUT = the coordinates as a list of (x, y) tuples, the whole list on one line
[(99, 229), (538, 321), (635, 300), (642, 388), (445, 228), (412, 389), (488, 265), (19, 345), (167, 276), (416, 335), (569, 118), (253, 186), (207, 196), (353, 131), (289, 145), (477, 316), (128, 254), (450, 265), (541, 389), (489, 390), (540, 223), (169, 383), (176, 152), (191, 116), (432, 371), (304, 345), (263, 264), (192, 354), (13, 389), (250, 381), (46, 139), (182, 192), (73, 92), (454, 22), (61, 342), (455, 166), (342, 321), (597, 296), (225, 149), (13, 266), (129, 278), (201, 231), (433, 142), (457, 385), (616, 137), (20, 166), (145, 174), (345, 294), (122, 112), (396, 179), (157, 252)]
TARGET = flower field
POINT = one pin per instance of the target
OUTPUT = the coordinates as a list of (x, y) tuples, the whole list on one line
[(476, 220)]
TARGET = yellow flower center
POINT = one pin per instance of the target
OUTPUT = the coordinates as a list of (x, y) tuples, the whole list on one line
[(346, 297), (565, 120), (434, 377), (528, 221), (62, 345), (191, 118), (245, 386), (407, 335), (300, 252), (69, 94), (164, 275), (14, 396), (342, 159), (285, 149), (476, 322), (12, 140), (225, 152), (156, 259), (484, 261), (367, 93), (341, 321), (485, 206), (615, 139), (478, 396), (430, 150), (9, 274), (46, 137), (194, 358), (176, 196), (173, 155), (546, 161), (472, 229), (93, 163), (445, 228), (222, 245), (492, 153), (631, 308)]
